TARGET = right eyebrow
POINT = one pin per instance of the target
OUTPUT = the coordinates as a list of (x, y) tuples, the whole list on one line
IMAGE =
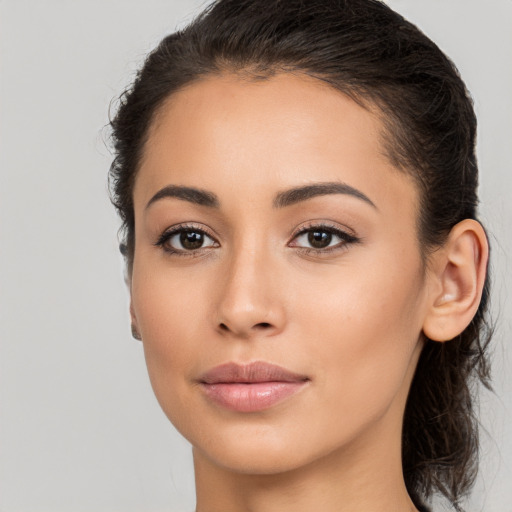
[(190, 194)]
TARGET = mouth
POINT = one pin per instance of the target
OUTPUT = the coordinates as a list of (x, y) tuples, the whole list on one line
[(250, 388)]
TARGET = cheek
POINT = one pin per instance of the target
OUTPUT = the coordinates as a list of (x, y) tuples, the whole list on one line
[(167, 303), (170, 314), (365, 329)]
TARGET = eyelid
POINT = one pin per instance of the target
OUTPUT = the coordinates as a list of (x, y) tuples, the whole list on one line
[(168, 233), (323, 225), (346, 235)]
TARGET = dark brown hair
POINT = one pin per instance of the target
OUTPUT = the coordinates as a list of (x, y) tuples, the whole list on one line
[(369, 52)]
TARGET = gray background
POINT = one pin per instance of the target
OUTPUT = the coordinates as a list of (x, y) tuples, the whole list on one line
[(80, 429)]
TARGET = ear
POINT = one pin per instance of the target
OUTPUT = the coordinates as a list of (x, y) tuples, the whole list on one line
[(457, 274), (135, 327)]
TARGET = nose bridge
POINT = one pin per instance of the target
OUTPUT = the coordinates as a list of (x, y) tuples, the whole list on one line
[(249, 298)]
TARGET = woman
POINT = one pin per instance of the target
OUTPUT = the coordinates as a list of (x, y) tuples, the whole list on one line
[(297, 184)]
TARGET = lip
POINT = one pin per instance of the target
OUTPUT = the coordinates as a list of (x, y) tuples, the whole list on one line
[(252, 387)]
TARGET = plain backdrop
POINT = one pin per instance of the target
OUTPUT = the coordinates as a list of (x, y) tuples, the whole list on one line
[(80, 429)]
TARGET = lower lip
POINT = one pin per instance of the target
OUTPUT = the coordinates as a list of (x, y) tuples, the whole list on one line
[(251, 397)]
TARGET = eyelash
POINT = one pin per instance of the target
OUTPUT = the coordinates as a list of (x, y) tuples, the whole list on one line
[(346, 239), (181, 228)]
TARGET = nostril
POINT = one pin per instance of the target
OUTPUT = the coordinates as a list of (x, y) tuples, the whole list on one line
[(263, 325), (259, 326)]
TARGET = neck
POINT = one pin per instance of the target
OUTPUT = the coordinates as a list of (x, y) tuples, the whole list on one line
[(365, 475)]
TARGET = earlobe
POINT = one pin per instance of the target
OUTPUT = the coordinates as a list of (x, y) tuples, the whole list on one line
[(134, 326), (458, 272)]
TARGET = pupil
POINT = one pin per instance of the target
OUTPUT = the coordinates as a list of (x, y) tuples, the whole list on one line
[(191, 240), (319, 239)]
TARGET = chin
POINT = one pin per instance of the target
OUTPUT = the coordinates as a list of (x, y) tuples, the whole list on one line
[(254, 459), (247, 448)]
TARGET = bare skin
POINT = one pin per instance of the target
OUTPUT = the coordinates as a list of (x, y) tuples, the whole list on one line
[(348, 316)]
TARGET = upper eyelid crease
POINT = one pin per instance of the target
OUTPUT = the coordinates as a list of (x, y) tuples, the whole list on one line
[(173, 230), (346, 236), (312, 225), (324, 226)]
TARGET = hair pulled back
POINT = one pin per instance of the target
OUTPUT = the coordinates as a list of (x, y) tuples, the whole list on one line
[(369, 52)]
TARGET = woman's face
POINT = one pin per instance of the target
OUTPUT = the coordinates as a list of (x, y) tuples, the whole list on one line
[(298, 249)]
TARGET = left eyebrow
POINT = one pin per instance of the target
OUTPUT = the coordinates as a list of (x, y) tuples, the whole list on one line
[(299, 194)]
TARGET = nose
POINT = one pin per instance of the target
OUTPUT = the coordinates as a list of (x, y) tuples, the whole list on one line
[(250, 296)]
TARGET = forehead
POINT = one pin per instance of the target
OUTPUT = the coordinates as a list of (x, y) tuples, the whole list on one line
[(262, 136)]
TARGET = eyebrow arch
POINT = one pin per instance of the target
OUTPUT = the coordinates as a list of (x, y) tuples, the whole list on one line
[(299, 194), (190, 194), (282, 200)]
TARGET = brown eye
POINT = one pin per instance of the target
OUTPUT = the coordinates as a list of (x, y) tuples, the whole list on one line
[(319, 239), (182, 240), (191, 239), (322, 239)]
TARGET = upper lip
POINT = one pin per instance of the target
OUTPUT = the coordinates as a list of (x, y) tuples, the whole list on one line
[(257, 371)]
